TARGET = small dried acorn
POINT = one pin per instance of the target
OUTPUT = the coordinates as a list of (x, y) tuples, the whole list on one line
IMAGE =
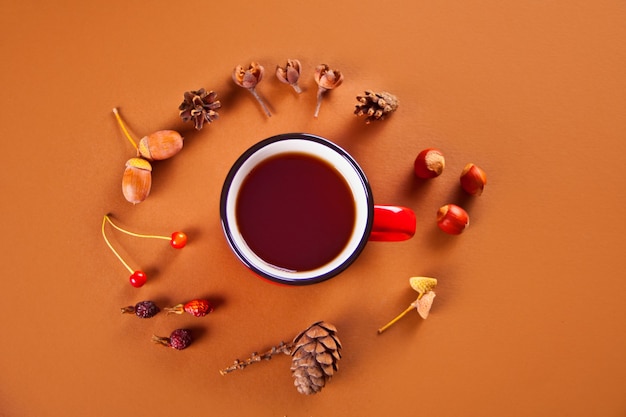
[(429, 163), (452, 219), (473, 179), (137, 180), (160, 145)]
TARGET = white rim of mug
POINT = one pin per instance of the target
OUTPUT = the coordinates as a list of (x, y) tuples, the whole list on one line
[(340, 160)]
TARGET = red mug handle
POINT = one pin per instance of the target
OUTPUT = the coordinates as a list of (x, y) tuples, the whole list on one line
[(392, 223)]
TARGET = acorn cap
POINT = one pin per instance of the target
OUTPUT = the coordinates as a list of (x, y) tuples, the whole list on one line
[(139, 163)]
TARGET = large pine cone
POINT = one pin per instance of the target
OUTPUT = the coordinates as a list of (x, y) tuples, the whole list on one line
[(314, 357)]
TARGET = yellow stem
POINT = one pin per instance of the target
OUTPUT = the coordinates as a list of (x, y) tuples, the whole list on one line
[(123, 126), (398, 317), (111, 247), (106, 217)]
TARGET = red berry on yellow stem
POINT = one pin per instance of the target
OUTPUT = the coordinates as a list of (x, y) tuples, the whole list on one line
[(452, 219), (429, 163), (178, 240), (473, 179), (138, 278)]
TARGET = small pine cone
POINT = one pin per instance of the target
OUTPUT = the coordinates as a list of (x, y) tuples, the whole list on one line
[(315, 355), (199, 106), (376, 106)]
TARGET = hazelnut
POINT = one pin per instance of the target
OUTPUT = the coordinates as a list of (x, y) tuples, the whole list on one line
[(452, 219), (473, 179), (429, 163)]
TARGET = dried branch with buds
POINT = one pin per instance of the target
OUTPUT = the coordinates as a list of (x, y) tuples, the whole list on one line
[(315, 353)]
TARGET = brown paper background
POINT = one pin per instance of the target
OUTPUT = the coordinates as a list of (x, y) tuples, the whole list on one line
[(529, 319)]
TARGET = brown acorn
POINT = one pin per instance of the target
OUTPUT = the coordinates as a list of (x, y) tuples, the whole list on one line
[(160, 145), (137, 180)]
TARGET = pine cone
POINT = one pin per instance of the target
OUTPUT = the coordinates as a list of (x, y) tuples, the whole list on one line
[(314, 357), (200, 107), (376, 105)]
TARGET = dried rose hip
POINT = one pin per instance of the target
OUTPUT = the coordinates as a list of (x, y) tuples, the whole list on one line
[(197, 308), (179, 339), (143, 309)]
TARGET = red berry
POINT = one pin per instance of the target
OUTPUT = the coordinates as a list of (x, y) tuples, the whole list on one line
[(138, 278), (198, 308), (179, 240), (179, 339), (146, 309)]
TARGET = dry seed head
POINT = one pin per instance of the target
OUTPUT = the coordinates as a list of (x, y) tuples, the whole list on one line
[(290, 74), (422, 284), (423, 304)]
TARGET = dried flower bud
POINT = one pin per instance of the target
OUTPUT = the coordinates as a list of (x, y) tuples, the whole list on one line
[(249, 78), (326, 79), (199, 106), (424, 286), (290, 74), (376, 106)]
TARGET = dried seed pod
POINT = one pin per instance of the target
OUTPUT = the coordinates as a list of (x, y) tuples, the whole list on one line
[(424, 286), (423, 304), (160, 145), (137, 180), (197, 308), (290, 74), (249, 78), (326, 79), (376, 106)]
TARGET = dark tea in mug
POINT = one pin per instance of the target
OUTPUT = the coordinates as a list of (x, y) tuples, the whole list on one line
[(295, 211)]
